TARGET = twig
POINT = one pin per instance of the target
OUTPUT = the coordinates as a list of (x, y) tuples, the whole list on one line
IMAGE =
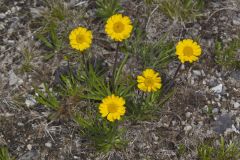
[(175, 75), (149, 18), (210, 16)]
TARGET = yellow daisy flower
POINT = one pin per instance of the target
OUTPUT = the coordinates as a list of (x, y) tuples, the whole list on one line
[(112, 107), (188, 50), (149, 81), (80, 38), (118, 27)]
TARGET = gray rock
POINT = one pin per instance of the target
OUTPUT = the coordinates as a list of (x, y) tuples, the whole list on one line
[(20, 124), (187, 128), (14, 79), (197, 72), (236, 75), (2, 15), (30, 101), (29, 147), (215, 110), (188, 114), (212, 82), (222, 123), (48, 144), (236, 105), (236, 21), (217, 89), (30, 155)]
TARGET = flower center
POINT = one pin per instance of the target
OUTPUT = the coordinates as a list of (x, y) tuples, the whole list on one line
[(112, 107), (80, 38), (148, 82), (188, 51), (118, 27)]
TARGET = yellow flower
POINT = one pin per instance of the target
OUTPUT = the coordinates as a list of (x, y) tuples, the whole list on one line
[(112, 107), (188, 50), (118, 27), (149, 81), (80, 38)]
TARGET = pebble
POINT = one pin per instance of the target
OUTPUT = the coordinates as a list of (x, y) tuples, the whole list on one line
[(236, 21), (20, 124), (222, 123), (29, 147), (14, 79), (203, 73), (48, 144), (2, 15), (30, 101), (197, 72), (204, 82), (215, 110), (213, 82), (187, 128), (188, 115), (30, 155), (236, 105), (217, 89), (235, 75)]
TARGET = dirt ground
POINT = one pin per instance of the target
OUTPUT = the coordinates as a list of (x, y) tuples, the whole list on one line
[(184, 119)]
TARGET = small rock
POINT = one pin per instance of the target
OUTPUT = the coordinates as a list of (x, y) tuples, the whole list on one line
[(203, 73), (14, 79), (222, 123), (30, 101), (204, 82), (155, 138), (236, 21), (215, 110), (30, 155), (2, 15), (217, 89), (212, 82), (236, 105), (197, 72), (20, 124), (29, 147), (236, 75), (48, 144), (188, 115), (187, 128)]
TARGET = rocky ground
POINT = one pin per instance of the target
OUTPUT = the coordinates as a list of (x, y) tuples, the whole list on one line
[(206, 103)]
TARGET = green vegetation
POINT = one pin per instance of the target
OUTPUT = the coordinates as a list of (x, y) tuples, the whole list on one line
[(27, 58), (227, 55), (182, 10), (151, 54), (4, 155), (224, 151), (107, 8), (99, 98)]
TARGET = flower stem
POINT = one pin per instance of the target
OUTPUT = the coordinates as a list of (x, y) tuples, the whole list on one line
[(115, 66), (176, 72), (171, 82), (85, 63)]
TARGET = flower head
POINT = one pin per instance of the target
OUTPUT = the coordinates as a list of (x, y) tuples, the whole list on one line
[(80, 38), (149, 81), (118, 27), (188, 50), (112, 107)]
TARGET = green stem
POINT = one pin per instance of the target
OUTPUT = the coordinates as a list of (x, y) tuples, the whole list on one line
[(85, 62), (115, 66)]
